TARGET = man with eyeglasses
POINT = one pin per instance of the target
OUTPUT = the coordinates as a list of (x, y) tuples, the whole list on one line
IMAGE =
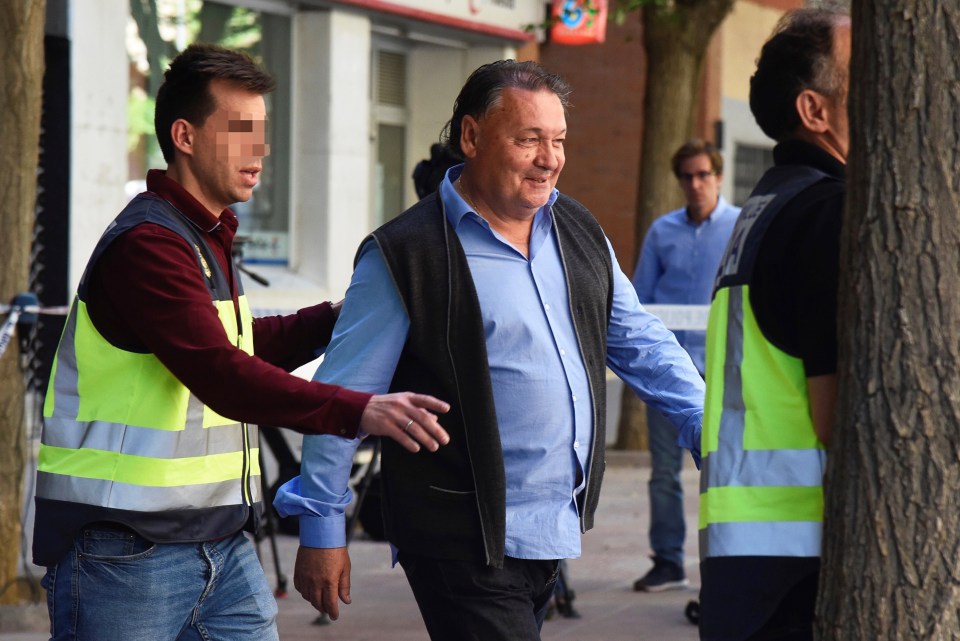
[(677, 266)]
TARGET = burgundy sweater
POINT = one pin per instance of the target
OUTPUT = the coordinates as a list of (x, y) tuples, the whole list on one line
[(146, 294)]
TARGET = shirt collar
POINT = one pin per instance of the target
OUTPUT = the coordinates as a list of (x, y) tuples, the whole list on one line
[(799, 152), (174, 193), (721, 205), (456, 207)]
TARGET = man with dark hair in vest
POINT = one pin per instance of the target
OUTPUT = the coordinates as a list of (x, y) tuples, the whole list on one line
[(772, 348), (503, 296), (148, 468)]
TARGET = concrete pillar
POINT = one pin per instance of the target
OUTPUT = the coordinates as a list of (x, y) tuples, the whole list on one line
[(331, 145), (98, 144)]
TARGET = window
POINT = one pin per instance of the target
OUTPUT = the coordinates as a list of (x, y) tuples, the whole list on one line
[(749, 163), (390, 176)]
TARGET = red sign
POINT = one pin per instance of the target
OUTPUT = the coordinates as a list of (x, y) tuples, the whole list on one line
[(578, 22)]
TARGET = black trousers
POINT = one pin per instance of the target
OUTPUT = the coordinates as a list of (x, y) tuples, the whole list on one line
[(470, 601), (793, 620)]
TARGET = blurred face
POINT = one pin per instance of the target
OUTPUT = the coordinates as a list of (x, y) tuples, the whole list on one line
[(223, 157), (515, 153), (700, 185)]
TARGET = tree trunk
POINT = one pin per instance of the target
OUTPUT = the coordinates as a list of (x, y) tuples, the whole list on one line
[(21, 67), (675, 39), (891, 554), (159, 51), (213, 22)]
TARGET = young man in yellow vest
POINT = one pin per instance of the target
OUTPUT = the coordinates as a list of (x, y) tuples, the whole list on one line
[(148, 468), (772, 348)]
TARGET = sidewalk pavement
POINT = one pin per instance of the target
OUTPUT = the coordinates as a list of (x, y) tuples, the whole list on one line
[(615, 553)]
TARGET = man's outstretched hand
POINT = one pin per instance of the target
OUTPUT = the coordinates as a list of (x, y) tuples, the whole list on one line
[(409, 419)]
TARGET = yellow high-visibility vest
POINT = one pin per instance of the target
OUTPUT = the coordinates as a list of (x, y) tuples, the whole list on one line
[(761, 490), (761, 481), (123, 436)]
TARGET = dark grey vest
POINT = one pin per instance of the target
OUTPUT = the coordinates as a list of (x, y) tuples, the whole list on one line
[(451, 504)]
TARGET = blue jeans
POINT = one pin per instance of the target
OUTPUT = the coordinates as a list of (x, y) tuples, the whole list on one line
[(115, 586), (667, 527)]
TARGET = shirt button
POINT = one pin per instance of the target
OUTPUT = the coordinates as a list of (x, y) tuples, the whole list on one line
[(574, 398), (576, 445), (563, 352), (343, 430), (546, 306)]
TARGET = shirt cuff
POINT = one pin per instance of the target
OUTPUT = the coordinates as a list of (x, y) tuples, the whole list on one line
[(317, 530), (689, 436), (323, 531)]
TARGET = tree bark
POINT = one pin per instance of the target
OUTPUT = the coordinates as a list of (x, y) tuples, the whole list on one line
[(675, 39), (21, 67), (891, 554)]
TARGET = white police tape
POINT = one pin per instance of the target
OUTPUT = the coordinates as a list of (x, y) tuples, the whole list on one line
[(36, 309), (681, 317), (14, 312), (6, 332)]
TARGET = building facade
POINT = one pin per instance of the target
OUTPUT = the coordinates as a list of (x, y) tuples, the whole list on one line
[(364, 88)]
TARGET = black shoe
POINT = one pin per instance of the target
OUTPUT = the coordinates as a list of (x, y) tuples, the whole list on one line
[(665, 575)]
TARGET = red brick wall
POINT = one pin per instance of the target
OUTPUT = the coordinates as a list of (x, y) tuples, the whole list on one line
[(605, 127)]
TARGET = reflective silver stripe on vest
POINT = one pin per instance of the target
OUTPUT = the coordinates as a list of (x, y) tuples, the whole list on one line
[(765, 468), (66, 399), (731, 465), (732, 411), (767, 538), (140, 498), (142, 441), (194, 412)]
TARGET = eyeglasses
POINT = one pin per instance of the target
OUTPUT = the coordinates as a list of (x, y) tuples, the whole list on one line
[(688, 178)]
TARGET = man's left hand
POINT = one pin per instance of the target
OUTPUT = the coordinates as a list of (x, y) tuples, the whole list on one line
[(321, 576)]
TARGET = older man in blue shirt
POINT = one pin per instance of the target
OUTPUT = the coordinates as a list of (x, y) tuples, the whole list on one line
[(677, 266), (502, 296)]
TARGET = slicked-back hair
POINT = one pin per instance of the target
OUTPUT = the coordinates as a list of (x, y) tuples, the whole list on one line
[(484, 90), (798, 56), (185, 92), (697, 147)]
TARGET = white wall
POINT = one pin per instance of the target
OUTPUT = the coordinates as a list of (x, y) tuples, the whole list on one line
[(436, 75), (98, 143), (331, 148)]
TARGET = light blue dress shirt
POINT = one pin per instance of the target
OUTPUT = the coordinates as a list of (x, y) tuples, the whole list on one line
[(540, 387), (678, 264)]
